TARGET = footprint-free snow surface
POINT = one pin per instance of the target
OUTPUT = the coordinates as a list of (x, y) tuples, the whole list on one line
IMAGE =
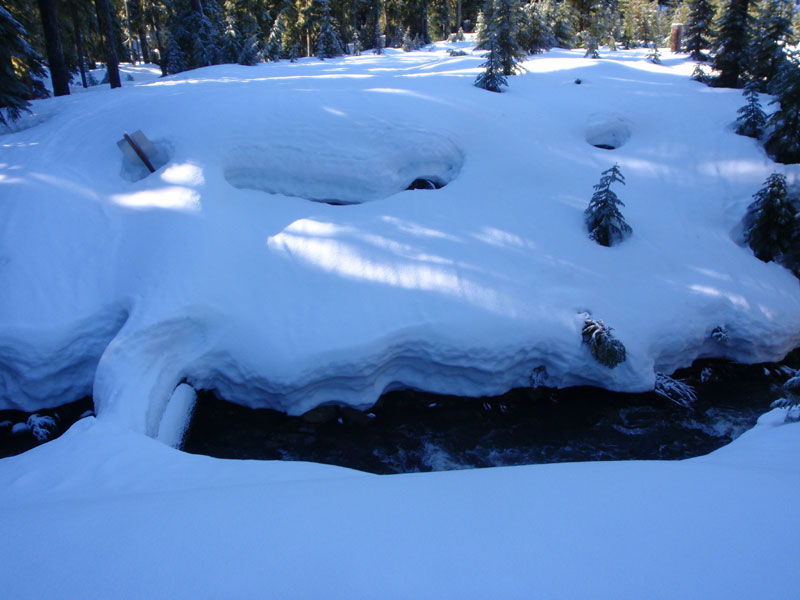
[(226, 270)]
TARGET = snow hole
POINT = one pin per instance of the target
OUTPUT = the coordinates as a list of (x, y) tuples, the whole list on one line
[(608, 132), (363, 165)]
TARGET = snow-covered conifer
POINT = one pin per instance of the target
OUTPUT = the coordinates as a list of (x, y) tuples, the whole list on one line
[(231, 46), (492, 77), (329, 44), (604, 220), (506, 25), (481, 27), (356, 44), (535, 34), (771, 221), (14, 91), (773, 31), (732, 43), (699, 30), (751, 120), (250, 54), (783, 139), (176, 58), (654, 56), (408, 42), (274, 48), (294, 52), (605, 348)]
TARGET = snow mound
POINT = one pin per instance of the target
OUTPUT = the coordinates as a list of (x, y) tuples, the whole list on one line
[(607, 131), (367, 162)]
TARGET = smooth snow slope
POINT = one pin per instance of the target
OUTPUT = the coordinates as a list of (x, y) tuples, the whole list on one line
[(105, 513), (124, 287)]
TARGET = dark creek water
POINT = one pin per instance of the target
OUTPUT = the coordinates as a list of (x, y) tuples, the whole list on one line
[(410, 431)]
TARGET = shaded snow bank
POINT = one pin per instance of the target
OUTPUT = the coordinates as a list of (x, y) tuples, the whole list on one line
[(468, 289), (200, 527)]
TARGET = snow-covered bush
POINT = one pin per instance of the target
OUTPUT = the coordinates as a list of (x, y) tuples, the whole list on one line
[(42, 427), (771, 223), (719, 334), (674, 390), (783, 139), (604, 221), (605, 348), (790, 400)]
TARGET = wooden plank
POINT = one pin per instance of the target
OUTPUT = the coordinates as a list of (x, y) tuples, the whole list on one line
[(142, 156)]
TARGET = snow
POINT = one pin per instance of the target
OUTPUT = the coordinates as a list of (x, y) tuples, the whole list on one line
[(103, 512), (218, 271), (222, 270)]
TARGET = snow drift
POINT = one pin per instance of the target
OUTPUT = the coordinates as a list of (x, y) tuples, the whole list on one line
[(193, 274)]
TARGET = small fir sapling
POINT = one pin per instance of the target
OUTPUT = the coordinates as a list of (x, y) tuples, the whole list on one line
[(654, 56), (356, 44), (771, 222), (408, 41), (751, 120), (605, 348), (604, 221), (294, 52), (790, 399)]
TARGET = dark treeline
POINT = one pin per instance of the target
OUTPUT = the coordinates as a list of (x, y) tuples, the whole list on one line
[(743, 40)]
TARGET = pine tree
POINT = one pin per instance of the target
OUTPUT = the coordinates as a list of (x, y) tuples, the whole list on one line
[(408, 42), (482, 29), (732, 43), (535, 34), (274, 49), (604, 221), (356, 44), (563, 22), (231, 46), (329, 45), (771, 222), (14, 91), (654, 56), (783, 140), (506, 24), (492, 77), (294, 51), (773, 32), (699, 29), (250, 54), (176, 58), (751, 120), (605, 348)]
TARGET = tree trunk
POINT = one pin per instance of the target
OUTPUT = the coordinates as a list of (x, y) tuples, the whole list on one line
[(162, 54), (76, 25), (106, 32), (143, 44), (55, 53)]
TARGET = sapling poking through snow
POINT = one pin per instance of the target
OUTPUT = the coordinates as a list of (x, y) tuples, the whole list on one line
[(605, 222), (751, 119), (605, 348)]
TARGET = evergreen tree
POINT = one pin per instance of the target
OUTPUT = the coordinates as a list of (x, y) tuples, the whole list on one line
[(329, 45), (698, 29), (604, 221), (605, 348), (408, 42), (176, 58), (294, 51), (231, 46), (535, 34), (773, 32), (732, 43), (481, 28), (274, 49), (771, 222), (14, 91), (506, 24), (563, 22), (356, 44), (591, 44), (492, 77), (751, 120), (250, 54), (654, 56), (783, 140)]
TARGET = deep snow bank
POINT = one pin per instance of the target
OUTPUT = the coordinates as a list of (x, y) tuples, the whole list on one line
[(285, 303)]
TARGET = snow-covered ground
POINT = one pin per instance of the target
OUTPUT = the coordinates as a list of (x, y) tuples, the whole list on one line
[(106, 513), (224, 270), (221, 269)]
